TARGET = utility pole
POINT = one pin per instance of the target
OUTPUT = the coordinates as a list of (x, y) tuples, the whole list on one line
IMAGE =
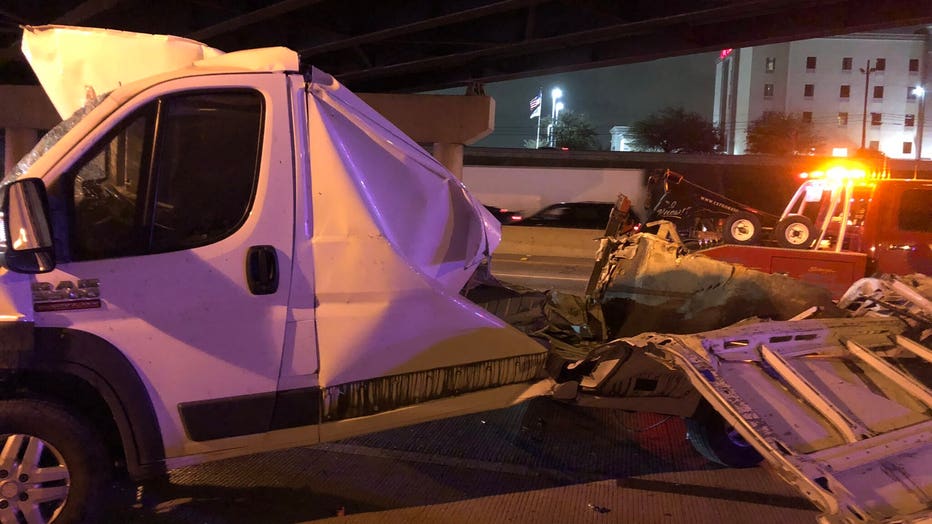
[(921, 100), (867, 82)]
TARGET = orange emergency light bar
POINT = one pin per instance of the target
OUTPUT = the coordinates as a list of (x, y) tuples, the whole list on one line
[(842, 171)]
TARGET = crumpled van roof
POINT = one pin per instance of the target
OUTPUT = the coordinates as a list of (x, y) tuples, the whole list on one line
[(74, 64)]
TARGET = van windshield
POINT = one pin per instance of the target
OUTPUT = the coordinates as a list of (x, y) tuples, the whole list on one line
[(50, 139)]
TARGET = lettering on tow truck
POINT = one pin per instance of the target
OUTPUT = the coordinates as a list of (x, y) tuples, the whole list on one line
[(726, 207), (817, 269), (670, 209), (66, 295)]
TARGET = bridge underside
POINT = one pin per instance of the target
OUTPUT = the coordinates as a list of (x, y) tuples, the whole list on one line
[(381, 47)]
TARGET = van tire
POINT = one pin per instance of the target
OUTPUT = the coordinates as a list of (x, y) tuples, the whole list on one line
[(715, 439), (742, 228), (61, 439), (794, 232)]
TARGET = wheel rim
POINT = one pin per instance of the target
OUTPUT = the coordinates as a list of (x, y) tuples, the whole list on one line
[(735, 438), (796, 234), (742, 230), (34, 480)]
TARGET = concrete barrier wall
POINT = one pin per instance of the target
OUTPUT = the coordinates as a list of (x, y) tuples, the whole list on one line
[(550, 241), (529, 189)]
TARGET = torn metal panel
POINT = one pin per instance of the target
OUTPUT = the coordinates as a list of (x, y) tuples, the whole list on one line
[(621, 221), (360, 160), (368, 397), (627, 374), (907, 297), (843, 426), (569, 323), (652, 284), (75, 64)]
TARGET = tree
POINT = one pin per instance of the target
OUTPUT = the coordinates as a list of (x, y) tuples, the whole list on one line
[(674, 130), (778, 133), (572, 131)]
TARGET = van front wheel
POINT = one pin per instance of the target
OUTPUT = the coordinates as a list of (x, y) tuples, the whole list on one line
[(53, 465)]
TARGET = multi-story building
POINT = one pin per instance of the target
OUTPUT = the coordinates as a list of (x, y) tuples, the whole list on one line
[(620, 140), (856, 91)]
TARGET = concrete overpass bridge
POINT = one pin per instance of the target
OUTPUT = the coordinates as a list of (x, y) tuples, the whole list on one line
[(406, 47)]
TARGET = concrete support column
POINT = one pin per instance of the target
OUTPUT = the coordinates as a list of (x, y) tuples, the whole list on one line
[(17, 142), (24, 110), (447, 121), (451, 156)]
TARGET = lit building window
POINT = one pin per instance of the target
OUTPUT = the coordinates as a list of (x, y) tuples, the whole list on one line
[(807, 117), (910, 120), (846, 63), (771, 64), (881, 64), (876, 119), (810, 62), (809, 90), (878, 91), (913, 65), (842, 119), (768, 90), (907, 148), (845, 91)]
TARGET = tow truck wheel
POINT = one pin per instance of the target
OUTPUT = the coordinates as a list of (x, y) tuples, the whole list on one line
[(53, 466), (716, 440), (795, 232), (742, 228)]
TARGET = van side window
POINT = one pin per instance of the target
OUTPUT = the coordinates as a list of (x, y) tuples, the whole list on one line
[(916, 210), (104, 190), (207, 165), (195, 189)]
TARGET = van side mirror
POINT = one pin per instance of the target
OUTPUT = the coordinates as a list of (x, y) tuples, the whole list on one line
[(27, 235)]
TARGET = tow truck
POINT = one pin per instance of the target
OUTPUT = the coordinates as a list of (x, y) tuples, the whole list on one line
[(702, 215), (842, 224)]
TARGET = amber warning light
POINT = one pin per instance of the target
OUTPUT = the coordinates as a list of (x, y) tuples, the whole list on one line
[(842, 172)]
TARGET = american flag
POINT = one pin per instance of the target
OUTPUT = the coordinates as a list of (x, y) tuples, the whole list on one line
[(535, 106)]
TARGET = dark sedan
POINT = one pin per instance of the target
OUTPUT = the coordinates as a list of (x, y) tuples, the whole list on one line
[(503, 215), (580, 215)]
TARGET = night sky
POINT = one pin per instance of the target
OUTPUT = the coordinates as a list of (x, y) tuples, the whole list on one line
[(608, 96)]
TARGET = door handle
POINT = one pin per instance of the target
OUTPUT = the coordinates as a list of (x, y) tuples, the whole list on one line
[(262, 270)]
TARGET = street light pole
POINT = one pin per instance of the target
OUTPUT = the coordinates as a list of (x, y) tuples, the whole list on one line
[(867, 82), (555, 95)]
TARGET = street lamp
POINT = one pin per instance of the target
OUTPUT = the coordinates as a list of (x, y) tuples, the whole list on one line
[(867, 80), (555, 94)]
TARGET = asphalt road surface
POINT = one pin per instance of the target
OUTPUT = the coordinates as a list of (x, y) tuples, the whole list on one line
[(540, 461)]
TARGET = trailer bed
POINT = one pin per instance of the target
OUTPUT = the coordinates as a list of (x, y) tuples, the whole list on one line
[(841, 408)]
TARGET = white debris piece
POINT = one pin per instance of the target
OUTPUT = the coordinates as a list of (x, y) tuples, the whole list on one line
[(74, 63)]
